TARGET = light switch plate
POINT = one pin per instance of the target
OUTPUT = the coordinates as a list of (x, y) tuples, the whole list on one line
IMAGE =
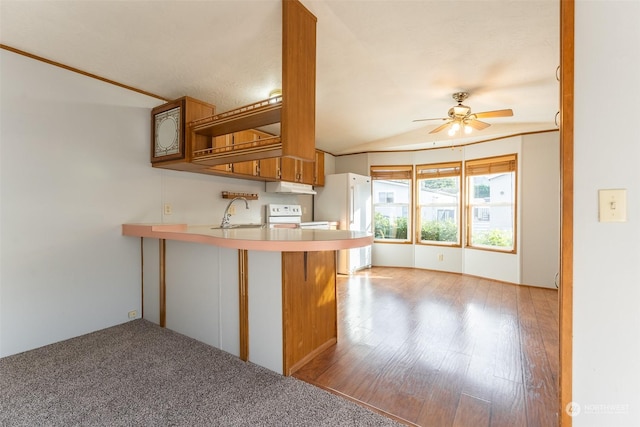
[(612, 205)]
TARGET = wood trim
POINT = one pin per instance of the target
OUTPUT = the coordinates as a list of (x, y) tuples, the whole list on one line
[(394, 242), (163, 283), (300, 363), (76, 70), (142, 277), (567, 43), (298, 128), (449, 147), (243, 293)]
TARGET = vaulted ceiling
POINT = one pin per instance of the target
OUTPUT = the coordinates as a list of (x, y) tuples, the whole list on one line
[(380, 63)]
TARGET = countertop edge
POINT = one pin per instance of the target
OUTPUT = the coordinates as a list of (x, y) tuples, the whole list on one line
[(181, 232)]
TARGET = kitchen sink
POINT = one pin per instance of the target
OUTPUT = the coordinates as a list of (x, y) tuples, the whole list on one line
[(231, 226)]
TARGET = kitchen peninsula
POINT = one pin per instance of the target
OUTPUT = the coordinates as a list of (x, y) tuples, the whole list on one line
[(277, 286)]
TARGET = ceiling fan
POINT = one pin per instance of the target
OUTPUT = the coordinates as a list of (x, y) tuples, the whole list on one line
[(461, 117)]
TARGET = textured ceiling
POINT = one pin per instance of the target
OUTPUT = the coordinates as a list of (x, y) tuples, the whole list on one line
[(380, 63)]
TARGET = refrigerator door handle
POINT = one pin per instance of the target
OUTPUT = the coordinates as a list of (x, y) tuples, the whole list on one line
[(352, 206)]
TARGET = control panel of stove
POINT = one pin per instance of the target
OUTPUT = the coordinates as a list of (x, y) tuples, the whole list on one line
[(283, 210)]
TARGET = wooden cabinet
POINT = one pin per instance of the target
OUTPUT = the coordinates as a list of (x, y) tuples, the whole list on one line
[(171, 141), (311, 173), (220, 142), (245, 138), (309, 310), (318, 178), (294, 110), (204, 146), (290, 169), (269, 169)]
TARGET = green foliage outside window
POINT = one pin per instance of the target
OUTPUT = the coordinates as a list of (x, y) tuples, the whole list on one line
[(496, 237), (446, 185), (386, 229), (482, 191), (439, 231)]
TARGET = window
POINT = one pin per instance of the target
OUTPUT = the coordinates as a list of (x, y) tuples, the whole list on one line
[(385, 197), (391, 210), (439, 203), (491, 198)]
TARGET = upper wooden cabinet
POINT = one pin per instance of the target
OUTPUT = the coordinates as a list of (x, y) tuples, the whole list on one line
[(188, 135), (294, 110), (169, 137), (171, 142)]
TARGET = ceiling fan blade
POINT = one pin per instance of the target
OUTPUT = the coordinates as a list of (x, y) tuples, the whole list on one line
[(477, 124), (441, 127), (495, 113), (425, 120)]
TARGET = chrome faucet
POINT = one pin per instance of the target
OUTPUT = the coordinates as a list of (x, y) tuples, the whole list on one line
[(225, 218)]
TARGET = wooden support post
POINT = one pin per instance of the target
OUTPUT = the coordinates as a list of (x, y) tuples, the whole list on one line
[(163, 284), (243, 288)]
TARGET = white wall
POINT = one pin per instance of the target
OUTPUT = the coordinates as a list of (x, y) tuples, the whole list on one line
[(69, 176), (540, 210), (74, 166), (606, 329)]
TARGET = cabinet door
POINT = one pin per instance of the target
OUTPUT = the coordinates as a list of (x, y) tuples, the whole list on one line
[(171, 138), (305, 172), (222, 141), (308, 173), (270, 168), (290, 169), (309, 306), (319, 169), (249, 167)]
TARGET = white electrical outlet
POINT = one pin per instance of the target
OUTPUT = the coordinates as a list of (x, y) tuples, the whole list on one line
[(440, 257), (167, 209), (133, 314)]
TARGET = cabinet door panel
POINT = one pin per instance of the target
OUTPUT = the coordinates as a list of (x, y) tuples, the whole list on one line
[(319, 169), (250, 167), (309, 309), (308, 172), (221, 142), (289, 169), (270, 168)]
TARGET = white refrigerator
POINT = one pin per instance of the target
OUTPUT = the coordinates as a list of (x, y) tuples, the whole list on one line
[(346, 198)]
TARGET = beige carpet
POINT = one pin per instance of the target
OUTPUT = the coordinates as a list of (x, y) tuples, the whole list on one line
[(138, 374)]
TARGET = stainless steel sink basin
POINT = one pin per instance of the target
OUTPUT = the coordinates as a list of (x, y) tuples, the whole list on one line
[(232, 226)]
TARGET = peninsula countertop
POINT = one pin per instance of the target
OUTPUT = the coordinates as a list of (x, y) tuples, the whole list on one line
[(259, 239)]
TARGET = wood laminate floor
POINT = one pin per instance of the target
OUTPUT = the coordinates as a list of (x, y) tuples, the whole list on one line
[(442, 349)]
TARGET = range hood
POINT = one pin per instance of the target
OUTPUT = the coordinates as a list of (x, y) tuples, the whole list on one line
[(289, 188)]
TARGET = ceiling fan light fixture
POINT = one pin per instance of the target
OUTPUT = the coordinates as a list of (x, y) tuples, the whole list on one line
[(460, 118), (460, 110)]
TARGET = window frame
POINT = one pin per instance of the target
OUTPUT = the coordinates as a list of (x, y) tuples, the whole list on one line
[(507, 163), (389, 173), (431, 171)]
